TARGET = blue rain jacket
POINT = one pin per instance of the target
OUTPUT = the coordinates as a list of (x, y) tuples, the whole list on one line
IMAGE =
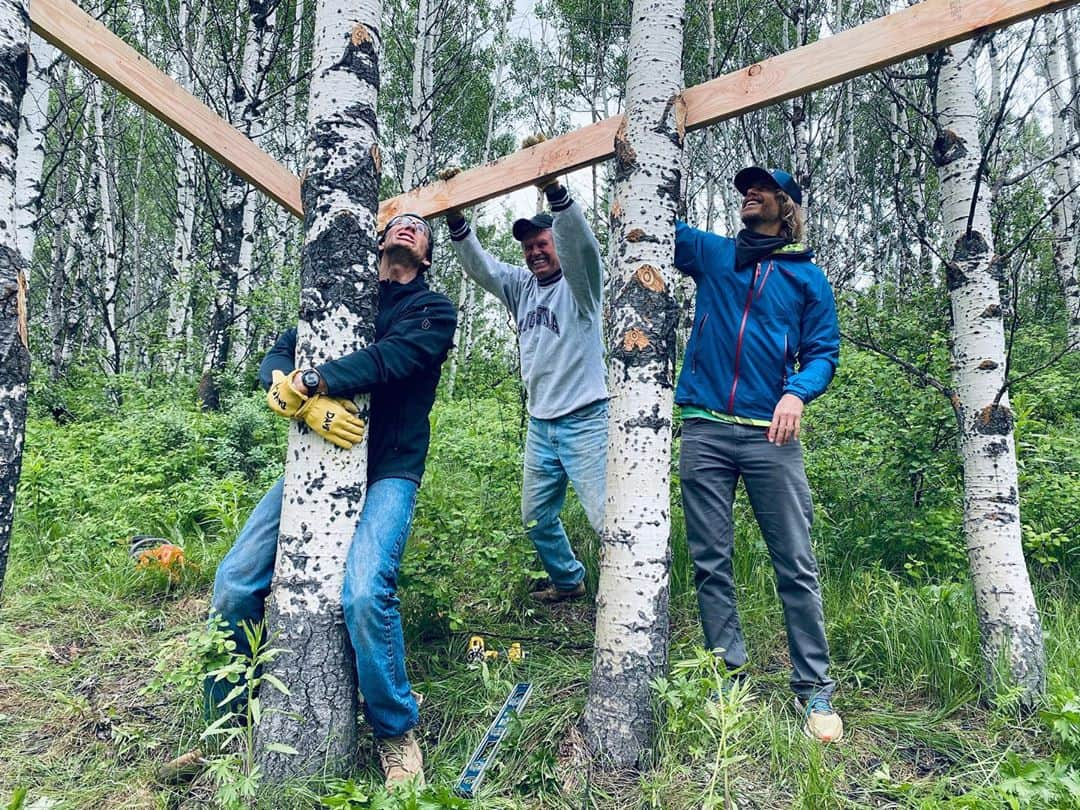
[(760, 331)]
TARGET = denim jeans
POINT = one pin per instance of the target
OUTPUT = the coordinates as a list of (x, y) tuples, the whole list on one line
[(571, 447), (368, 596), (714, 456)]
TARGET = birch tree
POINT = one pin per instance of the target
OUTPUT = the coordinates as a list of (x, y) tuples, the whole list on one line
[(324, 486), (14, 347), (1011, 633), (33, 117), (1063, 216), (632, 601)]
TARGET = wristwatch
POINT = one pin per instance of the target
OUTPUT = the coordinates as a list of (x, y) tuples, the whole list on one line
[(311, 380)]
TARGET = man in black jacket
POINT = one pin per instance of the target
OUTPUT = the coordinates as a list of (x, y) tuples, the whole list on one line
[(414, 329)]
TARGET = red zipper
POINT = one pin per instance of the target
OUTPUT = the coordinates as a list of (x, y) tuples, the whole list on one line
[(742, 331), (761, 289)]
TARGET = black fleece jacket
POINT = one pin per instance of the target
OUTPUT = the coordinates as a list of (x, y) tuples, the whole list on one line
[(413, 333)]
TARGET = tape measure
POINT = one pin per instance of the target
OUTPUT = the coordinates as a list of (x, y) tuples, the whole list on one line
[(469, 781)]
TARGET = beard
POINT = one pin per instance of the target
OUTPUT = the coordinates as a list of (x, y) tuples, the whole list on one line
[(402, 254)]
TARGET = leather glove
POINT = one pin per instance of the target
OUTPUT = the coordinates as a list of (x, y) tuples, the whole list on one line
[(454, 214), (544, 183), (334, 419), (282, 397)]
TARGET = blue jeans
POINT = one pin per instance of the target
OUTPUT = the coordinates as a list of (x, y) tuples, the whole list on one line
[(571, 447), (368, 596)]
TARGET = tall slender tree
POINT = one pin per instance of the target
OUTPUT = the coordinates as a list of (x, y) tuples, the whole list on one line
[(1011, 632), (632, 603), (324, 486), (14, 346)]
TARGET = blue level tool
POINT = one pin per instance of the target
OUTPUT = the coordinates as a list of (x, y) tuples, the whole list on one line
[(469, 781)]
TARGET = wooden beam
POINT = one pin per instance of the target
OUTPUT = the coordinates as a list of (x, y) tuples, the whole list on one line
[(916, 30), (91, 44)]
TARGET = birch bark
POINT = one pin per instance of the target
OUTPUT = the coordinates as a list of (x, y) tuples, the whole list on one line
[(33, 114), (109, 291), (422, 100), (324, 486), (179, 319), (632, 603), (14, 351), (1063, 216), (1011, 633)]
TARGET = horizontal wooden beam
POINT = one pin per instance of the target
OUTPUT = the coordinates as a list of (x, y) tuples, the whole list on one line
[(90, 43), (916, 30)]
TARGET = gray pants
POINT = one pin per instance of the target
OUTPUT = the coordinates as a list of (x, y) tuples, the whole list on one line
[(714, 455)]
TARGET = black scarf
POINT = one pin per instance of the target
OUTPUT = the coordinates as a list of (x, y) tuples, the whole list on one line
[(751, 247)]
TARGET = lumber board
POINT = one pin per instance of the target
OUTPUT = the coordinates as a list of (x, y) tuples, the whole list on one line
[(919, 29), (90, 43), (916, 30)]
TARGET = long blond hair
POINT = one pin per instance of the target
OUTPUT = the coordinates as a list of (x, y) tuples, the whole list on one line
[(791, 218)]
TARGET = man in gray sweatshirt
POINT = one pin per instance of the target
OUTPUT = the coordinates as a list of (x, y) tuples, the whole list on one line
[(556, 303)]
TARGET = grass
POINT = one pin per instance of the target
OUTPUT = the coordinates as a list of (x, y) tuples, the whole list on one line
[(83, 634), (77, 726)]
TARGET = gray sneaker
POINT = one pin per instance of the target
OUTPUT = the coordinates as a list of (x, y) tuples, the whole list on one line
[(551, 595)]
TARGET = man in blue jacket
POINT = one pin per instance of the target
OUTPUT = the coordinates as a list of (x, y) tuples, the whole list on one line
[(765, 342)]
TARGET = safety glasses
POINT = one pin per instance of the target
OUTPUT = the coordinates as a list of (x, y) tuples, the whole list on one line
[(418, 223)]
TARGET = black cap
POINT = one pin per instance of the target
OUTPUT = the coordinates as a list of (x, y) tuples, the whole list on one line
[(777, 177), (523, 228)]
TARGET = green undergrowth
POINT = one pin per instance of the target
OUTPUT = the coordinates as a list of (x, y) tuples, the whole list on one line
[(99, 677)]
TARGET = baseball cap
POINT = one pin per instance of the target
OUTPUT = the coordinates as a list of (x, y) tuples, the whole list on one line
[(751, 174), (523, 227)]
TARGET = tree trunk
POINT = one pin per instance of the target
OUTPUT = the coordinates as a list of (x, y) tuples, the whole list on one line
[(632, 603), (1012, 641), (109, 291), (14, 351), (324, 486), (422, 101), (1063, 216), (34, 114), (179, 318)]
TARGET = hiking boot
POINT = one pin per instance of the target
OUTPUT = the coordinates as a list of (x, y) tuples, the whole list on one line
[(820, 720), (401, 760), (182, 769), (551, 595)]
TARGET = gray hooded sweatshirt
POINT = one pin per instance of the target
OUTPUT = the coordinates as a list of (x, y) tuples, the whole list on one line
[(558, 319)]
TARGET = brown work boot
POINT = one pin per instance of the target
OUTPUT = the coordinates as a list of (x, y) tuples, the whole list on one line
[(550, 595), (182, 769), (401, 760)]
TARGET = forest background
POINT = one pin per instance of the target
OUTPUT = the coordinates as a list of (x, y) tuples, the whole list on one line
[(158, 279)]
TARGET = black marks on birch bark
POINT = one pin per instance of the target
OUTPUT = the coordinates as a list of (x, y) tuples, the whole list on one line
[(654, 421), (995, 420), (13, 64), (329, 279), (645, 320), (324, 700), (948, 147)]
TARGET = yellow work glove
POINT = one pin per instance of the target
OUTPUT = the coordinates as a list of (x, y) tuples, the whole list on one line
[(544, 182), (282, 397), (334, 419)]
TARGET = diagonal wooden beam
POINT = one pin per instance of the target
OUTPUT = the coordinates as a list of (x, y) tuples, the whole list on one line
[(919, 29), (90, 43), (916, 30)]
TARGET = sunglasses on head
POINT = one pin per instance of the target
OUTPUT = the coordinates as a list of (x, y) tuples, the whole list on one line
[(409, 219)]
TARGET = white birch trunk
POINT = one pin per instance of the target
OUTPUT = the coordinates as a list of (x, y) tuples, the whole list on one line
[(1063, 216), (324, 486), (1012, 642), (632, 603), (258, 53), (110, 277), (422, 101), (14, 351), (33, 115), (179, 320)]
